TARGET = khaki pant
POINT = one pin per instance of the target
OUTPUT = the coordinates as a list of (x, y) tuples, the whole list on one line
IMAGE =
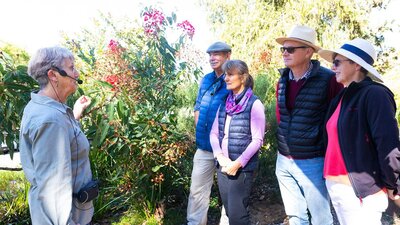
[(200, 189)]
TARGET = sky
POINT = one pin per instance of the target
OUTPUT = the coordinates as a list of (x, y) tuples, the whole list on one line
[(31, 24), (390, 13)]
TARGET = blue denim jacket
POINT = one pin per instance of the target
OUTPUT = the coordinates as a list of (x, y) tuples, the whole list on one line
[(211, 93)]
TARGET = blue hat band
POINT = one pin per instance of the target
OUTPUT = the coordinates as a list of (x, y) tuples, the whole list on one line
[(359, 52)]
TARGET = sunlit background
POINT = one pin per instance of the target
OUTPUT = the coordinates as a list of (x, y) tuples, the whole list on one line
[(30, 24), (38, 23)]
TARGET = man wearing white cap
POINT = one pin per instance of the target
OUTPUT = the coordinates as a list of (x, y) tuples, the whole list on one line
[(212, 93), (362, 137), (303, 94)]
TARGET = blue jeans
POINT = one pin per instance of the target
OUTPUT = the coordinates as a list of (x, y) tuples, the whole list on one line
[(303, 188)]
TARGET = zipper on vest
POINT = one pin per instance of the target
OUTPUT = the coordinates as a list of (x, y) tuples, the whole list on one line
[(208, 112), (288, 141), (212, 95)]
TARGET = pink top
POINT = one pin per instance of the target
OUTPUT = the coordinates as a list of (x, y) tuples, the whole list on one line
[(334, 163), (257, 124)]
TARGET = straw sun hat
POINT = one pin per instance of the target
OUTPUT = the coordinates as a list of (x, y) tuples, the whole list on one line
[(302, 34), (359, 51)]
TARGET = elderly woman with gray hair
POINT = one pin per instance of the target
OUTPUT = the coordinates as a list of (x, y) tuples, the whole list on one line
[(236, 137), (54, 151)]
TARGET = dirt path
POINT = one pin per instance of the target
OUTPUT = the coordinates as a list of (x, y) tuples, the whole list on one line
[(263, 212), (267, 208)]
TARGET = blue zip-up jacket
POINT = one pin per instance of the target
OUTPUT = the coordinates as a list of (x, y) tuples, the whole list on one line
[(212, 93)]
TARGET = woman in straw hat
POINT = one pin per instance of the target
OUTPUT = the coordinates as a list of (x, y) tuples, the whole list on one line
[(362, 158)]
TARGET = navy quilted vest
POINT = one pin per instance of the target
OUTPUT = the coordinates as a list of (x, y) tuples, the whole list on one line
[(239, 136), (300, 131)]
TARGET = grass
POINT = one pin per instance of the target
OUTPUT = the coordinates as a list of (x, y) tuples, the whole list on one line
[(14, 198), (110, 210)]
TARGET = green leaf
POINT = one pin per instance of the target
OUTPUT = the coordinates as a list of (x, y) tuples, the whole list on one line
[(104, 131), (174, 16), (156, 168), (170, 20), (110, 111), (143, 176), (2, 71)]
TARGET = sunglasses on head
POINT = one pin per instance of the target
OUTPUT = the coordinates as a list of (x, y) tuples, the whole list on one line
[(291, 50), (337, 62)]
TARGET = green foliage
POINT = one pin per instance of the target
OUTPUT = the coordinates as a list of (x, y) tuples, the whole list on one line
[(15, 88), (175, 216), (19, 56), (251, 26), (133, 122), (143, 86), (186, 96), (391, 80), (137, 216), (264, 88), (14, 198)]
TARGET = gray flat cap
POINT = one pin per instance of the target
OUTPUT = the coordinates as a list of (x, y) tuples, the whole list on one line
[(219, 47)]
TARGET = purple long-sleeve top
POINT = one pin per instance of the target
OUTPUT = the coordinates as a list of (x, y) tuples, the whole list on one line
[(257, 131)]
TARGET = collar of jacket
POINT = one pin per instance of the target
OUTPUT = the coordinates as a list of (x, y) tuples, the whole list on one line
[(354, 87), (45, 100), (314, 71)]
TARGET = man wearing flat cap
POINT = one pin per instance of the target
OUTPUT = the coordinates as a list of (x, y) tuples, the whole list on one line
[(304, 91), (211, 93)]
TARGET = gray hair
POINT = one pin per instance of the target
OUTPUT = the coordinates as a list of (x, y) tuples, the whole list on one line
[(240, 67), (44, 59)]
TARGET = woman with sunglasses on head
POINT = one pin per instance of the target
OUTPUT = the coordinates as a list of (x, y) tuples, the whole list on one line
[(54, 150), (362, 164), (236, 137)]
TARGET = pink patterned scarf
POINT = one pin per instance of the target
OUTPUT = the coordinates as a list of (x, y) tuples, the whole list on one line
[(237, 104)]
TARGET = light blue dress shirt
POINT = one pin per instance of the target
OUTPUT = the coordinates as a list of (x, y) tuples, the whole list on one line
[(55, 158)]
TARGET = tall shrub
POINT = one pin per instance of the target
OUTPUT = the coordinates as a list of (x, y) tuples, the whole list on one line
[(133, 79), (15, 88)]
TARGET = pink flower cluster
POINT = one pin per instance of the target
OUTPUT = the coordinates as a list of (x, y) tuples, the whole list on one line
[(113, 46), (153, 19), (187, 28)]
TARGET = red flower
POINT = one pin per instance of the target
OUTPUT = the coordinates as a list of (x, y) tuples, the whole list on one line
[(187, 28), (112, 79)]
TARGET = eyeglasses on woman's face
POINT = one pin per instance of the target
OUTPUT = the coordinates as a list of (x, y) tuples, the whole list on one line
[(291, 50), (337, 62)]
